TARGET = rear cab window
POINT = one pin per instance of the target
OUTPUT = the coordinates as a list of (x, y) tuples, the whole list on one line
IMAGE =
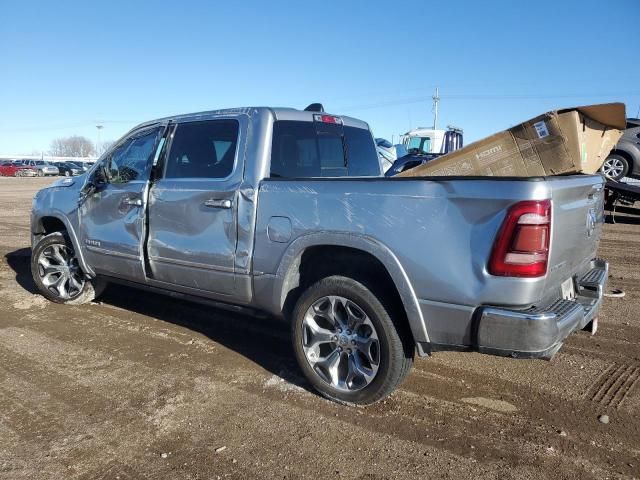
[(304, 149)]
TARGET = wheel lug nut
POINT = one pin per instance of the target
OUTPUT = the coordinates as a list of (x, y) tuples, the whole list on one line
[(353, 342), (339, 349), (348, 332), (334, 338), (339, 330)]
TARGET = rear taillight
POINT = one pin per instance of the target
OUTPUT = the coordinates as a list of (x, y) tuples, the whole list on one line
[(521, 248)]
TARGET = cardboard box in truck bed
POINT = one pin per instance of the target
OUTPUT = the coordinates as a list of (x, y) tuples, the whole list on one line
[(573, 140)]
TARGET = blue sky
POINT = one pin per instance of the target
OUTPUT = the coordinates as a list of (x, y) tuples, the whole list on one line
[(66, 65)]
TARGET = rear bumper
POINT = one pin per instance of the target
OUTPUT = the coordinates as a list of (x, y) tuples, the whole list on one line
[(539, 332)]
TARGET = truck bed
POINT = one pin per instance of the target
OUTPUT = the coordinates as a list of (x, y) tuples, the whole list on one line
[(441, 230)]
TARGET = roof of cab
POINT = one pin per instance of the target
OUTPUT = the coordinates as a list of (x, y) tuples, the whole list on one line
[(279, 113)]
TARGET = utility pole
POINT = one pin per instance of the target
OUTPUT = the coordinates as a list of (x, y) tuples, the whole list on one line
[(99, 127), (436, 99)]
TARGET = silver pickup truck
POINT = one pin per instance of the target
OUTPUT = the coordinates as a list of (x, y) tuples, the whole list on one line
[(286, 212)]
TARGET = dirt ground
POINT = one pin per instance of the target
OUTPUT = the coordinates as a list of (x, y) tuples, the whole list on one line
[(144, 386)]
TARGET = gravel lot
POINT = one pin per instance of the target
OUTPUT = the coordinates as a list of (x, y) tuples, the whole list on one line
[(144, 386)]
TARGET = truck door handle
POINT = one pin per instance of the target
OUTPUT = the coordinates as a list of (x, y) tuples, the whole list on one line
[(214, 203), (132, 201)]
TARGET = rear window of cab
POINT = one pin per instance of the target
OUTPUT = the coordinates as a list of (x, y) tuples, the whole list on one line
[(312, 149)]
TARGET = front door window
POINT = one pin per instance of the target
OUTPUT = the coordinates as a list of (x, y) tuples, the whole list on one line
[(130, 161)]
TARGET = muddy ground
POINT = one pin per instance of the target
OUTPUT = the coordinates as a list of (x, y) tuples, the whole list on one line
[(144, 386)]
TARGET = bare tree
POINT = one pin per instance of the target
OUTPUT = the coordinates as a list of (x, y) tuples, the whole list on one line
[(104, 146), (74, 146)]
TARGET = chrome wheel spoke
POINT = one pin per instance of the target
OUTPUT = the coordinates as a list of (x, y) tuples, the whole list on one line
[(362, 370), (74, 283), (355, 316), (61, 286), (369, 347), (57, 254), (51, 279), (329, 367), (314, 337), (339, 312), (53, 269)]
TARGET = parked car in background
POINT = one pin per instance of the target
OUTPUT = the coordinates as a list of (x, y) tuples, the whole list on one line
[(285, 211), (388, 153), (10, 169), (624, 160), (410, 161), (41, 167), (25, 170), (69, 169)]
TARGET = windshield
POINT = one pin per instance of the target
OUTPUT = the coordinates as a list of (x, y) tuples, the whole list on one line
[(401, 151), (419, 145)]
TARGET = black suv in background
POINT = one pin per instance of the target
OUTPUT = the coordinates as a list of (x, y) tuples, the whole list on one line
[(624, 160), (69, 169)]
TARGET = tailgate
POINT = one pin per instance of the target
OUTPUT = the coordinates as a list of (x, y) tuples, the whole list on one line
[(578, 216)]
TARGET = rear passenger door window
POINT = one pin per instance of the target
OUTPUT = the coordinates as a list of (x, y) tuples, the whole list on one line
[(203, 150)]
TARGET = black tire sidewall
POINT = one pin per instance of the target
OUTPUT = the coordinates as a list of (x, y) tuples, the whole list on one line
[(390, 344)]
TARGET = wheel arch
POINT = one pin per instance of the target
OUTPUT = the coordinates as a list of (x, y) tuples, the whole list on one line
[(52, 222), (288, 276)]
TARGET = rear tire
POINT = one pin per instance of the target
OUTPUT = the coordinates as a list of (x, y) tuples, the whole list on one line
[(339, 360), (615, 167), (57, 274)]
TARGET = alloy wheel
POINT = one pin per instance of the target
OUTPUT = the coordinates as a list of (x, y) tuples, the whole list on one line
[(59, 271), (613, 168), (341, 343)]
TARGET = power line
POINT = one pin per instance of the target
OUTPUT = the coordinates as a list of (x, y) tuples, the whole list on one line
[(410, 100)]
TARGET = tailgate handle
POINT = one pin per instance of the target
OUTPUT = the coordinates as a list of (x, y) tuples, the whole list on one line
[(215, 203)]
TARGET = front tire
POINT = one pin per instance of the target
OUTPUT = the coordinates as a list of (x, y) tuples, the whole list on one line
[(40, 173), (615, 167), (346, 343), (57, 274)]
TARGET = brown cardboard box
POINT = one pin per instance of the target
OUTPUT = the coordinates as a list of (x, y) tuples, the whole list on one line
[(573, 140)]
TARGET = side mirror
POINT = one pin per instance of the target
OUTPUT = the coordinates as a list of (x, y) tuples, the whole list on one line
[(99, 177), (95, 182)]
